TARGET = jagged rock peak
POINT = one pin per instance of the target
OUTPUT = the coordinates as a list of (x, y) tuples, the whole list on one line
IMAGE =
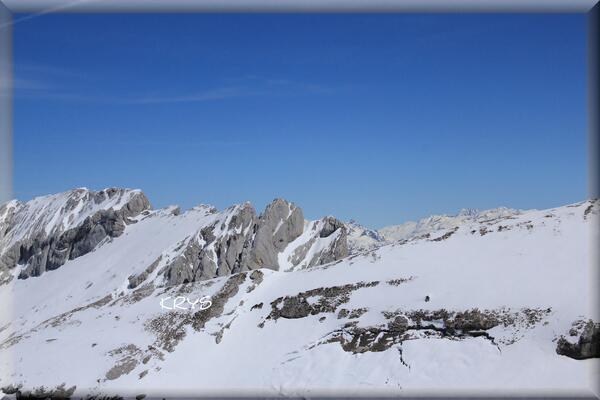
[(330, 225), (62, 211), (468, 212), (46, 231), (284, 221), (237, 240)]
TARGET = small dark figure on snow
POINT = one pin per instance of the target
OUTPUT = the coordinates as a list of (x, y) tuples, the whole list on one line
[(427, 298)]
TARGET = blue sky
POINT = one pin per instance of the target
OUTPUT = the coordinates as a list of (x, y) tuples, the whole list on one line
[(381, 118)]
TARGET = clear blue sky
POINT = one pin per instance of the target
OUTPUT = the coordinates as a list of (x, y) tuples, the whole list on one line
[(381, 118)]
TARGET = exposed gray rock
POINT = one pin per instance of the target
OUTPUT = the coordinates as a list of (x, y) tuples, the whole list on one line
[(229, 290), (299, 254), (325, 300), (216, 250), (295, 307), (338, 249), (31, 238), (40, 393), (240, 242), (128, 359), (46, 232), (403, 326), (136, 280), (587, 346), (280, 224), (330, 225), (171, 327)]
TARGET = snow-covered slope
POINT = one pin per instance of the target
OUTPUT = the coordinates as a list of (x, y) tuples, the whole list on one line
[(362, 239), (322, 241), (429, 225), (46, 232), (480, 305), (60, 212)]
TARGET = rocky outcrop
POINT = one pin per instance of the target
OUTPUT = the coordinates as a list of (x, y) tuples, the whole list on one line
[(417, 324), (215, 250), (324, 300), (45, 233), (587, 344), (329, 226), (40, 393), (339, 245), (279, 225), (170, 328), (327, 242), (241, 241)]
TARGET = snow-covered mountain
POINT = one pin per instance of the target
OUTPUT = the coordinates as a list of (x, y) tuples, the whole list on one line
[(46, 232), (436, 223), (104, 295), (364, 239)]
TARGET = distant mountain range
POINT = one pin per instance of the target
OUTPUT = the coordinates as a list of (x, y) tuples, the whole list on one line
[(361, 238), (104, 294)]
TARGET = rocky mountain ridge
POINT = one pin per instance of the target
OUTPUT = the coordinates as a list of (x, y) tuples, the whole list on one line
[(479, 306), (46, 232)]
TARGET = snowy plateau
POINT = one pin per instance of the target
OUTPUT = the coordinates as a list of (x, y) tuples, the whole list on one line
[(499, 301)]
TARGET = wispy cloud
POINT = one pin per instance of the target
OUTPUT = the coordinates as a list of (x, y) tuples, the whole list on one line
[(256, 87), (29, 84), (51, 71), (195, 139), (42, 81), (252, 87), (23, 84), (202, 96), (300, 87), (47, 10)]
